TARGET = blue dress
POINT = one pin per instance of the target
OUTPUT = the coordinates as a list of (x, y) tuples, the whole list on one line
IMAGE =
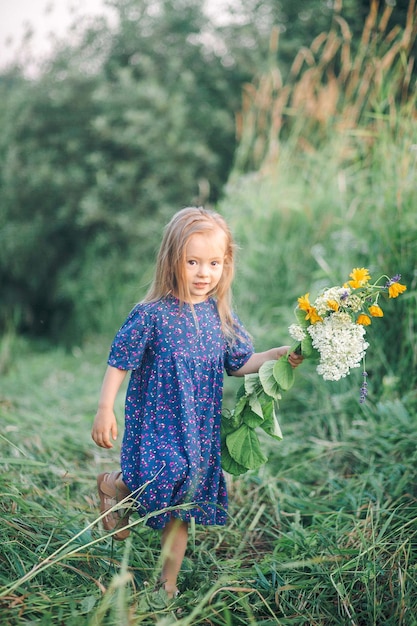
[(171, 445)]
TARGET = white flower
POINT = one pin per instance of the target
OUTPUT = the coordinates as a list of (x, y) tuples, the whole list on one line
[(296, 332), (343, 297), (334, 294), (341, 345), (353, 302)]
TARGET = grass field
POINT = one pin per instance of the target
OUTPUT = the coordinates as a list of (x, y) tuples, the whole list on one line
[(324, 534)]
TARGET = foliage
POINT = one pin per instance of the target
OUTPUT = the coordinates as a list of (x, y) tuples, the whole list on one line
[(248, 29), (331, 330), (330, 195), (256, 407), (316, 216), (324, 535), (97, 152), (336, 85), (134, 120)]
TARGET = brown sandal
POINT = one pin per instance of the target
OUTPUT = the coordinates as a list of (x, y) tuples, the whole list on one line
[(110, 495)]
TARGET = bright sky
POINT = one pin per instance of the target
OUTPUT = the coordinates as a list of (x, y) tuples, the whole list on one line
[(49, 20)]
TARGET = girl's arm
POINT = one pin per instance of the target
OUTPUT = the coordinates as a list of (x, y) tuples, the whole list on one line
[(105, 425), (257, 359)]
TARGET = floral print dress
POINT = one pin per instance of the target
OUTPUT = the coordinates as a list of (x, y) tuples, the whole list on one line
[(171, 446)]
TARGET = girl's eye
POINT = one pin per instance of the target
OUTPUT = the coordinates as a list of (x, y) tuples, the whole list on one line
[(191, 262)]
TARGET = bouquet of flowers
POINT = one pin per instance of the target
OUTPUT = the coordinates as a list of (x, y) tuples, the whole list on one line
[(331, 330)]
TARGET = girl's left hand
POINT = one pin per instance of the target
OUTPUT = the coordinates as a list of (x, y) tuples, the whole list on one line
[(295, 359)]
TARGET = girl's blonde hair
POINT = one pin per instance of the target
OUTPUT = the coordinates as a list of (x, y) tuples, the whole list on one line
[(170, 272)]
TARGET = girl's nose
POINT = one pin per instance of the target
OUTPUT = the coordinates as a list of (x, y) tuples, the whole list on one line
[(202, 270)]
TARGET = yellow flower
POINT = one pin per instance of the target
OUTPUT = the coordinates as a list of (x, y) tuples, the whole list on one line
[(311, 311), (363, 320), (333, 305), (304, 302), (376, 311), (395, 289), (360, 276), (313, 316)]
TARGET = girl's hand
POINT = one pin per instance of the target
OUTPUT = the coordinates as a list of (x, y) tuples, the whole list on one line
[(104, 428), (295, 359), (105, 425)]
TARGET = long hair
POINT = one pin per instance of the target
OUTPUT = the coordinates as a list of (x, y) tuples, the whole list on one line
[(170, 271)]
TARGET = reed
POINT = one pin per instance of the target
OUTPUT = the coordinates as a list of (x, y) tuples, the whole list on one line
[(332, 87)]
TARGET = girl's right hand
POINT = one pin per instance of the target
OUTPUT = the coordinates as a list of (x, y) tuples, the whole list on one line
[(104, 428)]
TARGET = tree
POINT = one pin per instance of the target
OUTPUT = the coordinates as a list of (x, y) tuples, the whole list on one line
[(122, 130), (246, 34)]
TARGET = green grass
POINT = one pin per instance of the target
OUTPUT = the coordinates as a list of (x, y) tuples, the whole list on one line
[(324, 534), (316, 215)]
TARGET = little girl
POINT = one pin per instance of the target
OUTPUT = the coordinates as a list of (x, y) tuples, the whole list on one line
[(177, 343)]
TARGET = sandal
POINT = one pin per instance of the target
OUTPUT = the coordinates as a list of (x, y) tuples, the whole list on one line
[(110, 496)]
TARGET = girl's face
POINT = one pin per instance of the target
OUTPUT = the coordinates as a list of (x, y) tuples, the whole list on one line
[(204, 261)]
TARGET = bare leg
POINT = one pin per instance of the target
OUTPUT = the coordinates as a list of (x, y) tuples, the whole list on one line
[(174, 544)]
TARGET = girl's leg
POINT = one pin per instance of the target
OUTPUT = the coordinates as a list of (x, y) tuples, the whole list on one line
[(174, 544)]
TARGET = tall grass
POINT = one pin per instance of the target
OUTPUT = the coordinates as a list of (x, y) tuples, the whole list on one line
[(307, 226), (334, 183), (333, 86), (325, 534)]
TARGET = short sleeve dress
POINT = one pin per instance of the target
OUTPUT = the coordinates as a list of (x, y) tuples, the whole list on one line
[(171, 445)]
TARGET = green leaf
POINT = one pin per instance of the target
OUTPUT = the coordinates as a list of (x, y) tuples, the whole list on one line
[(244, 447), (284, 373), (255, 405), (295, 347), (270, 424), (239, 409), (226, 426), (252, 383), (230, 465), (268, 381), (307, 349), (240, 392), (252, 419), (301, 318)]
